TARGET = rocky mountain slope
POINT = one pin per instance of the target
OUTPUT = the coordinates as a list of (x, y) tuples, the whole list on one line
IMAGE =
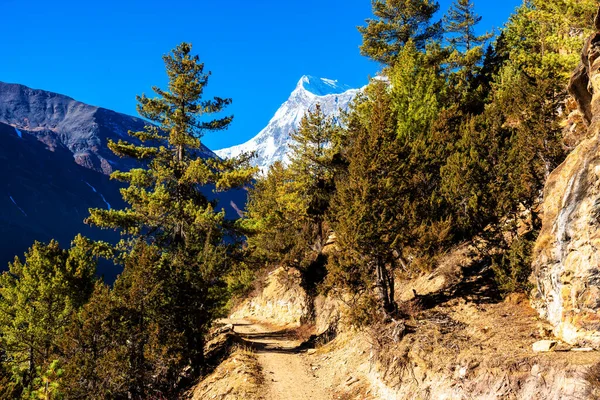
[(54, 166), (272, 143), (60, 121)]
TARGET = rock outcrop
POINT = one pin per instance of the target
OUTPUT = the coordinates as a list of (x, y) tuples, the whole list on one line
[(282, 301), (567, 254)]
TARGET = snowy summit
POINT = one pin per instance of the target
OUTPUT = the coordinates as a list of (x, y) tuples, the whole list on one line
[(273, 142)]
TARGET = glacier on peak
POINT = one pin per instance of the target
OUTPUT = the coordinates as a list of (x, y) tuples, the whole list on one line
[(273, 142), (321, 86)]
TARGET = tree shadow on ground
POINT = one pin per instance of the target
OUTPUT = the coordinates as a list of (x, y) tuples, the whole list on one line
[(477, 286)]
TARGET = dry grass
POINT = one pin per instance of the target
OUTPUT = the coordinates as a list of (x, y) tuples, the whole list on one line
[(238, 377)]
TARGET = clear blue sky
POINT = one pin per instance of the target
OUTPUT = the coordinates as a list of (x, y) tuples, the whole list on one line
[(105, 52)]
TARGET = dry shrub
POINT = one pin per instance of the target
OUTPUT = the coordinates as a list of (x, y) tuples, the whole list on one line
[(388, 352), (593, 378), (409, 309)]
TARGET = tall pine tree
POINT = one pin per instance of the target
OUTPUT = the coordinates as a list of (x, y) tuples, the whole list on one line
[(396, 22), (167, 208), (460, 22)]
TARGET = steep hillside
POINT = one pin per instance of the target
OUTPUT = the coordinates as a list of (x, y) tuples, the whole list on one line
[(461, 341), (44, 194), (272, 143), (55, 166)]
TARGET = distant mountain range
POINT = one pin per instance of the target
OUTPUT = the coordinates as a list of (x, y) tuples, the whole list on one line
[(54, 166), (273, 142)]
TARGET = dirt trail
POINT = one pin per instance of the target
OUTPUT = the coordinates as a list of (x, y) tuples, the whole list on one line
[(287, 375)]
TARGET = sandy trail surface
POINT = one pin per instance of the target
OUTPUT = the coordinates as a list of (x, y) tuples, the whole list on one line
[(288, 376)]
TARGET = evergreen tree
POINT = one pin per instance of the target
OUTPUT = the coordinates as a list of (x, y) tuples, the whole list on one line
[(466, 52), (417, 91), (397, 22), (366, 203), (460, 22), (37, 298), (288, 210), (545, 36), (93, 364), (167, 208), (312, 170), (269, 221)]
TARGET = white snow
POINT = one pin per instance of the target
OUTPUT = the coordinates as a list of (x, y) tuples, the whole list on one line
[(19, 133), (273, 142), (15, 203), (101, 195)]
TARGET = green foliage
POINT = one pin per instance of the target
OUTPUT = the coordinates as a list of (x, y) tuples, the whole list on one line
[(175, 255), (47, 383), (38, 297), (512, 269), (397, 22), (288, 208), (416, 90), (545, 37), (367, 221), (460, 22)]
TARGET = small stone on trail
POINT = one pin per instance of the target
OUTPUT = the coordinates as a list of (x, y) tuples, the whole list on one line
[(311, 351), (544, 346), (583, 349)]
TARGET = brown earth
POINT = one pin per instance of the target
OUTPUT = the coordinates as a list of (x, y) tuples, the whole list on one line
[(287, 375)]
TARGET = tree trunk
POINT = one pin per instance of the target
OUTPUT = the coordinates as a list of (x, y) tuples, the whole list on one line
[(381, 285)]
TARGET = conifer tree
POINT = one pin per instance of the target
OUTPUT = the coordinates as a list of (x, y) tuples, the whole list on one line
[(288, 208), (166, 206), (366, 203), (93, 363), (396, 22), (460, 22), (37, 298), (269, 220), (312, 169), (466, 51)]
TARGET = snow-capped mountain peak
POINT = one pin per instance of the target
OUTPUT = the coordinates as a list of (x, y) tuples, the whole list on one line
[(321, 86), (273, 142)]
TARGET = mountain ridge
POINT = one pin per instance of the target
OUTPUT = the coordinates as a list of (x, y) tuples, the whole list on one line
[(59, 120)]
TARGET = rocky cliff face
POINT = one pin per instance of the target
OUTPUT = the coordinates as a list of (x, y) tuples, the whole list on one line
[(567, 254)]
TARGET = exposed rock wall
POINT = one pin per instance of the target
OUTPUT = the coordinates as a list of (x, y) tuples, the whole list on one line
[(283, 301), (567, 254)]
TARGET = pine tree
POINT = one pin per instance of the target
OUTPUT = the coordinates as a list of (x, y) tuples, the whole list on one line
[(397, 22), (270, 221), (416, 89), (466, 51), (366, 203), (460, 22), (93, 364), (166, 206), (312, 170), (545, 36), (37, 298), (288, 208)]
